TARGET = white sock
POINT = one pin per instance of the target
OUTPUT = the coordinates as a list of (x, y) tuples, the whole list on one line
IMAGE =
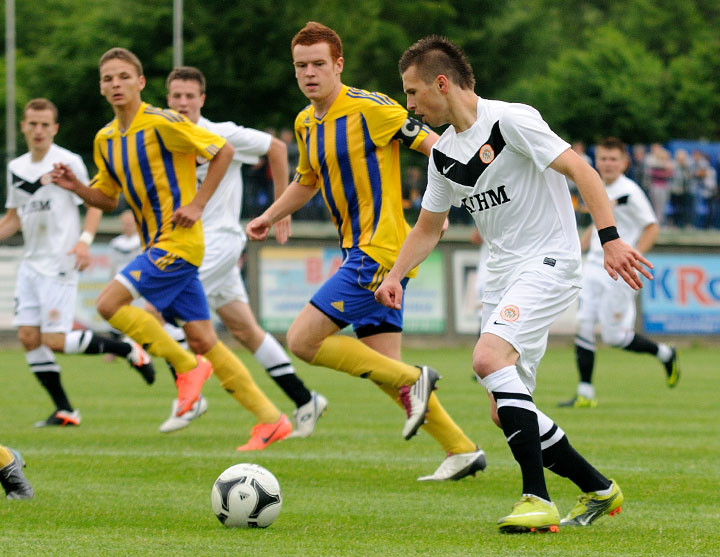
[(177, 334), (76, 342), (586, 390), (271, 355), (664, 352), (604, 492)]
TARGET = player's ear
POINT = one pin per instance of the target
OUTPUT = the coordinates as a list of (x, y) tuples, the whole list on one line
[(339, 63), (142, 82)]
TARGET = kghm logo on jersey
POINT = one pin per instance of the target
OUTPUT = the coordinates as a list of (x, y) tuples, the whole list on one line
[(510, 313), (486, 154)]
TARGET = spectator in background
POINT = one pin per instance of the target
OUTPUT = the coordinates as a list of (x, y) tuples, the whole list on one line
[(703, 187), (660, 172), (293, 153), (681, 199), (412, 190), (637, 166)]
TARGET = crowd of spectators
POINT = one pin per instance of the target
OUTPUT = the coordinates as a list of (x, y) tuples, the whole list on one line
[(682, 185)]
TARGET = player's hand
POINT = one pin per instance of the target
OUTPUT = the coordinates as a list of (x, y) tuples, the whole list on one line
[(64, 177), (623, 260), (81, 251), (390, 293), (187, 215), (258, 228), (283, 230)]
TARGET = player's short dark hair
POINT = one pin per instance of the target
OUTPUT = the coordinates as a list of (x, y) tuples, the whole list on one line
[(314, 33), (41, 104), (186, 73), (612, 143), (123, 54), (435, 55)]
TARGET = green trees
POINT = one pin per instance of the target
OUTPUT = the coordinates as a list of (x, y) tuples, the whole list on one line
[(640, 69)]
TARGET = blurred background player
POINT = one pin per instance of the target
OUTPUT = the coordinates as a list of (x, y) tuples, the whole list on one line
[(225, 241), (603, 300), (149, 155), (348, 141), (13, 480), (507, 168), (54, 253)]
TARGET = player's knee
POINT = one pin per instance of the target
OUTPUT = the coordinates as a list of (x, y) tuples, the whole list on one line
[(29, 338), (298, 345), (201, 342), (483, 364), (106, 307), (614, 337)]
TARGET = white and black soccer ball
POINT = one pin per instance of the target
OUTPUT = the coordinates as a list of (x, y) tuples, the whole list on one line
[(246, 496)]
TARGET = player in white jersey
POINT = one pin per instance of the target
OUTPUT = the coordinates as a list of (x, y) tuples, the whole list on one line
[(225, 241), (604, 301), (504, 165), (55, 252)]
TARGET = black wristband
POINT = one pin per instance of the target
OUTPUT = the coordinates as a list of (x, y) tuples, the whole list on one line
[(608, 234)]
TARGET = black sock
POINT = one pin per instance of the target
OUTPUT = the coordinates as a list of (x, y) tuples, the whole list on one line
[(566, 462), (642, 344), (50, 380), (101, 345), (172, 370), (520, 427), (293, 387), (585, 362)]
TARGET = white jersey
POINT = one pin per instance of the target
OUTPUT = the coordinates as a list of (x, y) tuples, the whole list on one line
[(633, 213), (49, 215), (498, 171), (222, 212), (123, 249)]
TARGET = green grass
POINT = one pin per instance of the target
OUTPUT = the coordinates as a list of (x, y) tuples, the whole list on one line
[(115, 486)]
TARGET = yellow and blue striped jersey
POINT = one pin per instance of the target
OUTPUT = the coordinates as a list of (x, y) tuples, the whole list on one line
[(351, 154), (153, 164)]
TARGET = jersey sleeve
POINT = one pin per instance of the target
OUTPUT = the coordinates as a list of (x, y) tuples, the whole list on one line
[(180, 135), (641, 208), (10, 202), (438, 194), (385, 118), (105, 179), (250, 144), (527, 133), (304, 173)]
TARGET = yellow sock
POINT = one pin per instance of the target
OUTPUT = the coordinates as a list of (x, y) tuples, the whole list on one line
[(235, 378), (439, 425), (5, 457), (354, 357), (143, 328)]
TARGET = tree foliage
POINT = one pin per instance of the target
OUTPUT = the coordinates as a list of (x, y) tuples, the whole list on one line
[(642, 69)]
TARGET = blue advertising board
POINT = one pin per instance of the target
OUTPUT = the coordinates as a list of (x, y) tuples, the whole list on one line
[(684, 297)]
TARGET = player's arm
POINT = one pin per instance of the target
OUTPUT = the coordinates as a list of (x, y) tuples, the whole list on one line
[(9, 224), (296, 195), (417, 246), (621, 259), (278, 161), (63, 176), (189, 214), (647, 238), (82, 247)]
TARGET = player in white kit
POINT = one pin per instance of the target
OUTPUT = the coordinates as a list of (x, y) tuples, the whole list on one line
[(225, 241), (604, 301), (504, 165), (54, 253)]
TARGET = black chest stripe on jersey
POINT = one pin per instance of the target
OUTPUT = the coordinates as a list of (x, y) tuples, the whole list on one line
[(24, 185), (468, 174), (623, 200)]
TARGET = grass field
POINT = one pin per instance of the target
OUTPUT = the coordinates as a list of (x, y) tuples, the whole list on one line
[(115, 486)]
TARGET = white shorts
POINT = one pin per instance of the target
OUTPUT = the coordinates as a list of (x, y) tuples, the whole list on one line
[(43, 301), (522, 314), (606, 301), (220, 273)]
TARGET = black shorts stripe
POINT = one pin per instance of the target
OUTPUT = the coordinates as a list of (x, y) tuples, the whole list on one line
[(515, 396)]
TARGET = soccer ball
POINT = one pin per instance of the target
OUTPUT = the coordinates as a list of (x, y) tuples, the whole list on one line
[(246, 496)]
